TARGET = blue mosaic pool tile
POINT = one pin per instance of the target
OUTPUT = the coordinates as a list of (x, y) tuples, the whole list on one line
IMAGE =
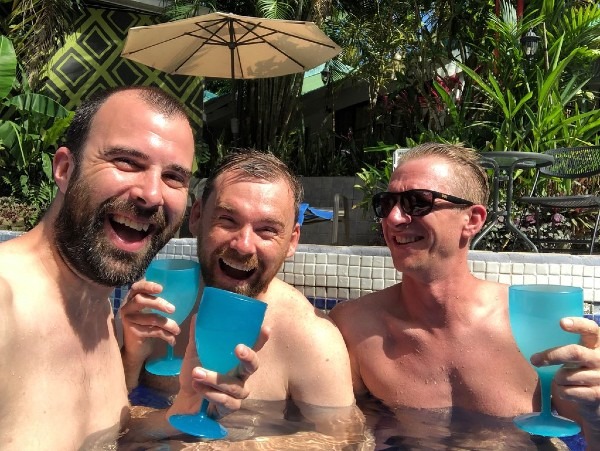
[(317, 302), (575, 442), (324, 303), (117, 297), (595, 317), (148, 397)]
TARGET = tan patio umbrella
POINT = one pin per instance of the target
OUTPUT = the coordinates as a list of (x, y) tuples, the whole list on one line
[(222, 45)]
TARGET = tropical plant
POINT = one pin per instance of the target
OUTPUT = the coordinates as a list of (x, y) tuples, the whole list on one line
[(533, 107), (38, 28), (17, 215), (30, 126), (375, 177)]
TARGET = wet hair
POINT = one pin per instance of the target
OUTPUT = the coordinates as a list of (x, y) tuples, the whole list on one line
[(470, 178), (253, 165), (79, 129)]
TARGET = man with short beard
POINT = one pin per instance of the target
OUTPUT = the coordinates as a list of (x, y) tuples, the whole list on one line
[(246, 224), (122, 178)]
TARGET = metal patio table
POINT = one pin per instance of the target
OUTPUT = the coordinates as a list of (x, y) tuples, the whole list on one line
[(504, 165)]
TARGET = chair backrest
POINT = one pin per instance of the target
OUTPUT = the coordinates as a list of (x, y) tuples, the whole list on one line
[(397, 154), (573, 162)]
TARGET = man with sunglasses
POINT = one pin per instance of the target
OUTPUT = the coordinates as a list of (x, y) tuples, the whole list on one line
[(441, 338)]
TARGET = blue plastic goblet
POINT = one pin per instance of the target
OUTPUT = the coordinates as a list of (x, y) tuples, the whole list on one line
[(535, 312), (224, 320), (180, 280)]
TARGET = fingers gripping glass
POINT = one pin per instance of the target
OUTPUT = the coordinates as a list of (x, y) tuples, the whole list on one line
[(414, 202)]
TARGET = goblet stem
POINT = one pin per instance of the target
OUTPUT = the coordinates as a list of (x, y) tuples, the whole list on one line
[(546, 376), (204, 408), (165, 366), (544, 422), (170, 351)]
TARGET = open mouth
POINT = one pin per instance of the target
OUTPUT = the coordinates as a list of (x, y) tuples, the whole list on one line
[(129, 230), (407, 240), (236, 270)]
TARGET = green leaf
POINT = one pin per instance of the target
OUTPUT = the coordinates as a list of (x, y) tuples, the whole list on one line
[(8, 66), (40, 104)]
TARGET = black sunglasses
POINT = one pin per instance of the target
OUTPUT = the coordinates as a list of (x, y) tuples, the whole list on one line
[(414, 202)]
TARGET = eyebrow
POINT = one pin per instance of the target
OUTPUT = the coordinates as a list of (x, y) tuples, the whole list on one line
[(268, 221), (142, 156)]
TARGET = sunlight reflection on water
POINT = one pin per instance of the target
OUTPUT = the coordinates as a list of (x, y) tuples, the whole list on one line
[(279, 426)]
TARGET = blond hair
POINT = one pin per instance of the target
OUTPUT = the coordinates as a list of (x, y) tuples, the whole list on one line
[(470, 178)]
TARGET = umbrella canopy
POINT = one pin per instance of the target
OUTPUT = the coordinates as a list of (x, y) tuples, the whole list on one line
[(221, 45)]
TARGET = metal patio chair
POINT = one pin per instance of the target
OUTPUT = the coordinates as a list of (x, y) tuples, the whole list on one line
[(569, 163), (340, 212)]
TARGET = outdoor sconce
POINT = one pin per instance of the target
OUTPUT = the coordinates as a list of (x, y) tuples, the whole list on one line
[(326, 75), (530, 42)]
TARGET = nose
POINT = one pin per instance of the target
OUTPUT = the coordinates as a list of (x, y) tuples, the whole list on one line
[(148, 189), (243, 241), (398, 215)]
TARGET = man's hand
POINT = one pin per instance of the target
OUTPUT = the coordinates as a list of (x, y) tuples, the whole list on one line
[(139, 326), (578, 380), (224, 391)]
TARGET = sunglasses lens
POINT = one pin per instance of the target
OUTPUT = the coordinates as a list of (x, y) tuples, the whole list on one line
[(417, 203), (413, 203), (383, 203)]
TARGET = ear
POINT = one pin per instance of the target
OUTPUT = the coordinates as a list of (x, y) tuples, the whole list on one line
[(294, 241), (195, 217), (476, 220), (63, 166)]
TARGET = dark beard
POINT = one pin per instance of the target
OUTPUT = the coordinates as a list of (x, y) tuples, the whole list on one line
[(79, 236)]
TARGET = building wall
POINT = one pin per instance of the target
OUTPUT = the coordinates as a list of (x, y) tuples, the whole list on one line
[(91, 60)]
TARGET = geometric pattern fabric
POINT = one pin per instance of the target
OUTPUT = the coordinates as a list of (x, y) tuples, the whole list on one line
[(91, 60)]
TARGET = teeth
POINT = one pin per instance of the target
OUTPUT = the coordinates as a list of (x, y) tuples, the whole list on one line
[(134, 225), (405, 240), (239, 267)]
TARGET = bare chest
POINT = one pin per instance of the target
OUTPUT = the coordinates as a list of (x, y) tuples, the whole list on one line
[(427, 372), (60, 380)]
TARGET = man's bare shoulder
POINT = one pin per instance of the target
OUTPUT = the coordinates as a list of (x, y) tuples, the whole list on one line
[(354, 309), (17, 253), (7, 307), (296, 316), (12, 270), (283, 296)]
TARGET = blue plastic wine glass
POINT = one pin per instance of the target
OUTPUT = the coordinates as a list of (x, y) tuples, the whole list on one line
[(180, 280), (224, 320), (535, 312)]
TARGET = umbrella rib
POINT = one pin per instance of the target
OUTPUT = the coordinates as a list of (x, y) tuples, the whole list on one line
[(141, 49), (205, 42), (250, 29), (220, 22), (260, 39), (275, 31)]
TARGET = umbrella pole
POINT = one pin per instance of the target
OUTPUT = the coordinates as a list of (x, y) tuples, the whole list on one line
[(235, 123)]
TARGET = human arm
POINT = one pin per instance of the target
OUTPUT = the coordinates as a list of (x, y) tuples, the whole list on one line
[(140, 327), (342, 316), (576, 389), (224, 391), (319, 379)]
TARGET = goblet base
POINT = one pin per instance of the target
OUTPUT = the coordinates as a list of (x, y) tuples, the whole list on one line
[(547, 425), (199, 426), (164, 366)]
